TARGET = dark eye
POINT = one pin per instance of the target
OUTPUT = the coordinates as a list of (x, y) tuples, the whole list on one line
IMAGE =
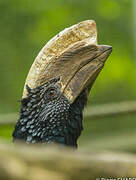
[(51, 93)]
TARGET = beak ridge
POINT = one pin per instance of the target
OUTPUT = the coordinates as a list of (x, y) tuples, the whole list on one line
[(105, 51)]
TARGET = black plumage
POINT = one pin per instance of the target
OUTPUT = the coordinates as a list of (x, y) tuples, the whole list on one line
[(46, 116)]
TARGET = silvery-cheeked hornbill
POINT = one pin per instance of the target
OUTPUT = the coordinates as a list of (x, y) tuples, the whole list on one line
[(58, 84)]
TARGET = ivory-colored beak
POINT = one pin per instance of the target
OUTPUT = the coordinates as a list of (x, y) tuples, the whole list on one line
[(74, 56)]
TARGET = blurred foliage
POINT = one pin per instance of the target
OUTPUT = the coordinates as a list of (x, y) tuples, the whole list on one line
[(116, 133), (27, 25), (6, 132)]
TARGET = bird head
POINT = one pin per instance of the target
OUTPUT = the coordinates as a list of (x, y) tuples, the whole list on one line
[(58, 84)]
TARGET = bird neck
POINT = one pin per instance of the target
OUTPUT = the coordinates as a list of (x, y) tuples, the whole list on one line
[(64, 127), (74, 123)]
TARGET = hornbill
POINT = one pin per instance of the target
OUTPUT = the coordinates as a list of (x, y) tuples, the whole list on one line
[(58, 84)]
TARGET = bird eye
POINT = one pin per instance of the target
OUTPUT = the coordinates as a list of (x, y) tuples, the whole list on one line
[(51, 93)]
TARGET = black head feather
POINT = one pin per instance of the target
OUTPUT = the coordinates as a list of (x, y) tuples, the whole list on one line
[(46, 116)]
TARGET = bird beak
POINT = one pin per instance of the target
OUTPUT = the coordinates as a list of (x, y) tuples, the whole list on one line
[(86, 70), (73, 56)]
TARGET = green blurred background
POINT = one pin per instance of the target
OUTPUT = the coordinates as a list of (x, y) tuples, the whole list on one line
[(26, 26)]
